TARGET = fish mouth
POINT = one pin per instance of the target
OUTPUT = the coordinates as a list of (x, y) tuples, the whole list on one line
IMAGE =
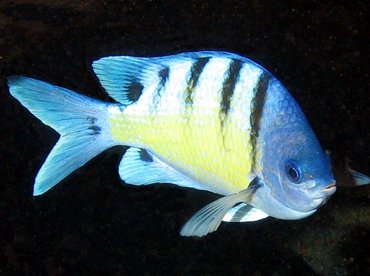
[(325, 193), (329, 190)]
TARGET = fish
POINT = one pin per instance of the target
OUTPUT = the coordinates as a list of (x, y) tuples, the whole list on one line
[(207, 120), (346, 176)]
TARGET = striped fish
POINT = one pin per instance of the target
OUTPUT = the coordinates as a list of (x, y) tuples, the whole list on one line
[(212, 121)]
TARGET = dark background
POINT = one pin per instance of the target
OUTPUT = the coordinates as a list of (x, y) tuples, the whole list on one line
[(91, 224)]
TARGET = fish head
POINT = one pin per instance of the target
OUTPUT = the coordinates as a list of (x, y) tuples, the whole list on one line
[(295, 169)]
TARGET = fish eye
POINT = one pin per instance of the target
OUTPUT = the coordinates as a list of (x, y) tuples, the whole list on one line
[(293, 171)]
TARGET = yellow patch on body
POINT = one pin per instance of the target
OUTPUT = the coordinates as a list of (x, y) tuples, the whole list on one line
[(194, 144)]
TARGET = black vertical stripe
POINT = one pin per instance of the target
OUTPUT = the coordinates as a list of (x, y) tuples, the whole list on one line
[(145, 156), (242, 211), (134, 90), (195, 72), (257, 104), (163, 75), (228, 88), (95, 129)]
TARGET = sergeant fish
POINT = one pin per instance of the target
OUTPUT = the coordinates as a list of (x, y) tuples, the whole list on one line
[(208, 120)]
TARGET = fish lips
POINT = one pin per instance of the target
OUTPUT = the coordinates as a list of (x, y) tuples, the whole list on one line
[(324, 194)]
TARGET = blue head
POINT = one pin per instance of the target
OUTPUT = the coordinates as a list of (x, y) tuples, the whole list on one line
[(295, 171)]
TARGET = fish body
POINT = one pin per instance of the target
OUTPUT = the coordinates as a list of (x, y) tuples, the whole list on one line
[(175, 111), (213, 121)]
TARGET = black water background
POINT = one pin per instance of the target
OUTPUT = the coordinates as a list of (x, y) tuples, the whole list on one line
[(91, 224)]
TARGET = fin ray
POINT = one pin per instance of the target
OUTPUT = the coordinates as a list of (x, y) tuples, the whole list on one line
[(125, 77), (359, 178), (209, 218), (79, 120), (140, 167)]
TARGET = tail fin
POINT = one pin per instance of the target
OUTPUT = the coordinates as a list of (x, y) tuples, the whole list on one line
[(81, 122)]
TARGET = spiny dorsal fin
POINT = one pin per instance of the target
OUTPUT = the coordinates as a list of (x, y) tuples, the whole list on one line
[(125, 78)]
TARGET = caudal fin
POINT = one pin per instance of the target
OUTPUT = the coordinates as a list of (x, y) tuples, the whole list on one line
[(80, 121)]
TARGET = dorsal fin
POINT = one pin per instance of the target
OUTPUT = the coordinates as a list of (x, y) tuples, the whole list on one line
[(125, 78)]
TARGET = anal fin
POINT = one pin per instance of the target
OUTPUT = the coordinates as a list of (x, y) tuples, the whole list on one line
[(140, 167), (243, 213)]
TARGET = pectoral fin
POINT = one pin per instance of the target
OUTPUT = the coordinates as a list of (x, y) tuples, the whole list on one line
[(209, 218)]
